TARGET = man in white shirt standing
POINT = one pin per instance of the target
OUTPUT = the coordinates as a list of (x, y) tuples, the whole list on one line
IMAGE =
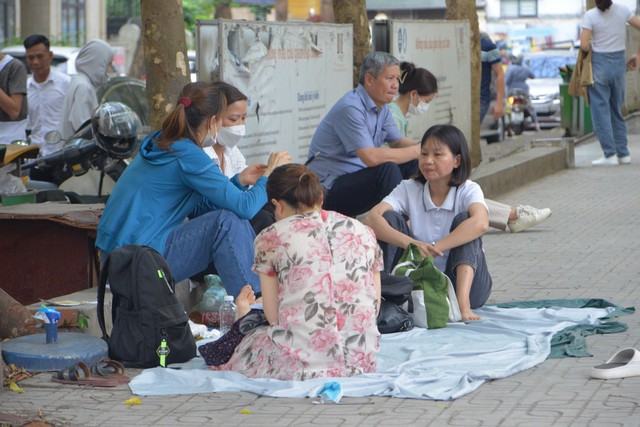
[(46, 89)]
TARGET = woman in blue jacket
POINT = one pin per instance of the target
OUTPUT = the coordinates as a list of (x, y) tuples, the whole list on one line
[(172, 179)]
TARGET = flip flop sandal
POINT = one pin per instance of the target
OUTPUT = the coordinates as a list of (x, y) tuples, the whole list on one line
[(79, 374), (111, 369)]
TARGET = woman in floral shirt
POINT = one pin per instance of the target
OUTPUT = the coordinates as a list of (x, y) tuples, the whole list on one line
[(320, 277)]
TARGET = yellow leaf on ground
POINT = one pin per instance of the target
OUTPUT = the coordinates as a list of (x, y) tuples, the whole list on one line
[(15, 387), (245, 412), (133, 401)]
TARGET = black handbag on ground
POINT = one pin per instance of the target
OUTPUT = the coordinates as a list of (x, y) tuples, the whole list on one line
[(393, 318), (396, 290)]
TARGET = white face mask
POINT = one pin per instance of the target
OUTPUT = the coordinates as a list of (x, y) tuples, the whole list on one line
[(422, 108), (230, 136), (210, 141)]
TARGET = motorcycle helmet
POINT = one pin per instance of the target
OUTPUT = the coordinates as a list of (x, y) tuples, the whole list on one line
[(115, 128)]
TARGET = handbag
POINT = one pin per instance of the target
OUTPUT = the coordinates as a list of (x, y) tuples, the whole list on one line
[(219, 352), (392, 318), (434, 297)]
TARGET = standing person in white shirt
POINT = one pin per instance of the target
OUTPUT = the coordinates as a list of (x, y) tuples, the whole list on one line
[(46, 89), (603, 32)]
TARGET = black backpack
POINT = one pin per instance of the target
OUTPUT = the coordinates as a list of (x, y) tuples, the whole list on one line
[(150, 325)]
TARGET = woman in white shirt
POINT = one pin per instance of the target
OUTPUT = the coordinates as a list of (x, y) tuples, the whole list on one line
[(447, 216)]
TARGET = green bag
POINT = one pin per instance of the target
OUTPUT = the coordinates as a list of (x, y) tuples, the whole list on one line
[(434, 297)]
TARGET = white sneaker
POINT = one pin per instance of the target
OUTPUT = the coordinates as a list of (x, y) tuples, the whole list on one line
[(624, 160), (529, 216), (605, 161)]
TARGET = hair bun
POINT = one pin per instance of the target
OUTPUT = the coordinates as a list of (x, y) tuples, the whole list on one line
[(408, 67)]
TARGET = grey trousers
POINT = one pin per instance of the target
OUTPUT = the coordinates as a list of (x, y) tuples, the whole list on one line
[(470, 253)]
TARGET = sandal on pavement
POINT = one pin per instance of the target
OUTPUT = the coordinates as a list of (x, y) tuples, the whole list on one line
[(111, 369), (79, 374), (623, 364)]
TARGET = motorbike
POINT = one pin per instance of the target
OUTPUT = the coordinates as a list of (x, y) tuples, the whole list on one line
[(517, 114), (88, 164)]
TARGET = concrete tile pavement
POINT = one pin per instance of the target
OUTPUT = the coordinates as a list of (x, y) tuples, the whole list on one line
[(589, 248)]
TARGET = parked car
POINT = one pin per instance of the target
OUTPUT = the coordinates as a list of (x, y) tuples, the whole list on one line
[(545, 88), (64, 57)]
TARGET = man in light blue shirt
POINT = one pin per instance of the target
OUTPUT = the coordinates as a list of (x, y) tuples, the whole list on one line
[(347, 149)]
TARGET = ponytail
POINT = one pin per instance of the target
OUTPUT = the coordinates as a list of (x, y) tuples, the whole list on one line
[(198, 102)]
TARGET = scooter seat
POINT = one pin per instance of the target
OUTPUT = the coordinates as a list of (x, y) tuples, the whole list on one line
[(15, 151)]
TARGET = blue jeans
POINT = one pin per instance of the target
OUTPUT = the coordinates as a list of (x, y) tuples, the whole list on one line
[(606, 97), (219, 237), (470, 253)]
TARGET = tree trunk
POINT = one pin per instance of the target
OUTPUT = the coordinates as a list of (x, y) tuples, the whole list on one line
[(591, 4), (466, 10), (223, 10), (355, 12), (15, 320), (282, 10), (165, 56)]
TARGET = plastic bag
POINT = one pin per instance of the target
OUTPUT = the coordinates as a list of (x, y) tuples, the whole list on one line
[(10, 184)]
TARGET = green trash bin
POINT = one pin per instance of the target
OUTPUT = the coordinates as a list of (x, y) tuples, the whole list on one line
[(575, 114)]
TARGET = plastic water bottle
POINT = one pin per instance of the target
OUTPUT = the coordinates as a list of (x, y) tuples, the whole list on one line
[(228, 314), (212, 300)]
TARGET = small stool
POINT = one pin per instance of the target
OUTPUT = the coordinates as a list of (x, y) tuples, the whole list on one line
[(32, 353)]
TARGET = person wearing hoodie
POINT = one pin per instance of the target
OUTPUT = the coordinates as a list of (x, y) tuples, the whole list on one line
[(81, 100), (173, 198)]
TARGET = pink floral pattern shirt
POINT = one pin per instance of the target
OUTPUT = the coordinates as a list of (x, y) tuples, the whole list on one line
[(327, 324)]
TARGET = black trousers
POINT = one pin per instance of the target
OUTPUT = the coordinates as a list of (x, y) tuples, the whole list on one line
[(355, 193)]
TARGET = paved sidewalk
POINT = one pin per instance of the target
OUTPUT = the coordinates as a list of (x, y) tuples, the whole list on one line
[(588, 248)]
